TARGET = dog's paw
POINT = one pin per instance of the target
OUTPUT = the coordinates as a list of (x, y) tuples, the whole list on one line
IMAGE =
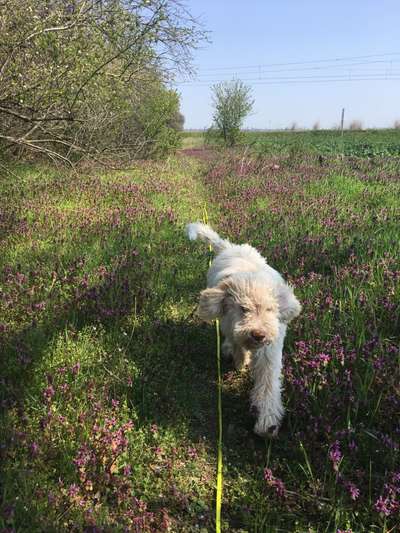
[(273, 431), (269, 433), (267, 427)]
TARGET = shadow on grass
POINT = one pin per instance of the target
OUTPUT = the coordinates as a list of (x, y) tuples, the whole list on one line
[(175, 386), (176, 357)]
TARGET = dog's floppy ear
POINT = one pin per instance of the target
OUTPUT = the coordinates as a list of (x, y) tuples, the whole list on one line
[(289, 305), (210, 305)]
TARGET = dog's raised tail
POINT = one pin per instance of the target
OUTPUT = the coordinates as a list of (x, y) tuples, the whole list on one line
[(198, 230)]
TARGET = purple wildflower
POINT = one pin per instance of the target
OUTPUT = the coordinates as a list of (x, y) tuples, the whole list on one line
[(34, 449), (275, 483), (382, 505), (73, 490), (127, 470), (75, 369), (49, 392), (353, 490), (335, 455), (192, 452)]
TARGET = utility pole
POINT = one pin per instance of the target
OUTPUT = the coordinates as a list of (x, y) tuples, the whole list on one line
[(342, 122), (341, 129)]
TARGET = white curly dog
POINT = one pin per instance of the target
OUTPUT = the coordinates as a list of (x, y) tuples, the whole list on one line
[(254, 305)]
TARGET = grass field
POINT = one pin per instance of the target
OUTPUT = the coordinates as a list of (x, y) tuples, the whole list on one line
[(108, 380), (358, 143)]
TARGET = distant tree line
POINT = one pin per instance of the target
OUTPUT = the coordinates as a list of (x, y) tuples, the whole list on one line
[(83, 78)]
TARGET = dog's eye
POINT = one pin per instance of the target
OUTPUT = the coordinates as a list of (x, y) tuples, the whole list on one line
[(243, 309)]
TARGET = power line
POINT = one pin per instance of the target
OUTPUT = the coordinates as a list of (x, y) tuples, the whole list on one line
[(372, 67), (292, 81), (345, 66), (377, 68), (346, 75), (333, 60)]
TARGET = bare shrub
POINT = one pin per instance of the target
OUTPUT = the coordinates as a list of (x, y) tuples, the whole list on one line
[(90, 78), (316, 126), (396, 125)]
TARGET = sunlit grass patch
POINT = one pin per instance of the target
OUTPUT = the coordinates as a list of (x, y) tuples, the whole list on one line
[(81, 423), (192, 140)]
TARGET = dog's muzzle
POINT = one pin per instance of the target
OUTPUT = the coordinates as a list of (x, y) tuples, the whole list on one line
[(257, 339)]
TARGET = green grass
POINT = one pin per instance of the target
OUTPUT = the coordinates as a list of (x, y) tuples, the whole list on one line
[(368, 143), (109, 380), (358, 143), (192, 139)]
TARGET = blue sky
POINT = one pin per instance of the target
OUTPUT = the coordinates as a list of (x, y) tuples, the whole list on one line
[(256, 33)]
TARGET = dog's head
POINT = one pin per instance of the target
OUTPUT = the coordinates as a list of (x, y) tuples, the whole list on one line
[(249, 309)]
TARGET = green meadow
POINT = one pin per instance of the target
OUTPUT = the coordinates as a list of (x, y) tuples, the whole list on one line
[(357, 143), (108, 378)]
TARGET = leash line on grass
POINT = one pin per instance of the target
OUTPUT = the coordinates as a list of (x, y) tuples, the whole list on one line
[(219, 458), (218, 502)]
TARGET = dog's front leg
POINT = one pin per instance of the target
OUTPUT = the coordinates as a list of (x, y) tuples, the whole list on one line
[(266, 397), (227, 349), (266, 394)]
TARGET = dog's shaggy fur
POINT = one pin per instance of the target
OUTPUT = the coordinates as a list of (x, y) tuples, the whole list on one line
[(254, 305)]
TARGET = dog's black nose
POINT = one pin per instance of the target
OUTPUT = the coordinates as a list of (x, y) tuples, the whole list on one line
[(258, 335)]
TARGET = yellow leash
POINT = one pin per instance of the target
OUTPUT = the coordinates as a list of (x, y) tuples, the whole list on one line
[(219, 442), (219, 457)]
